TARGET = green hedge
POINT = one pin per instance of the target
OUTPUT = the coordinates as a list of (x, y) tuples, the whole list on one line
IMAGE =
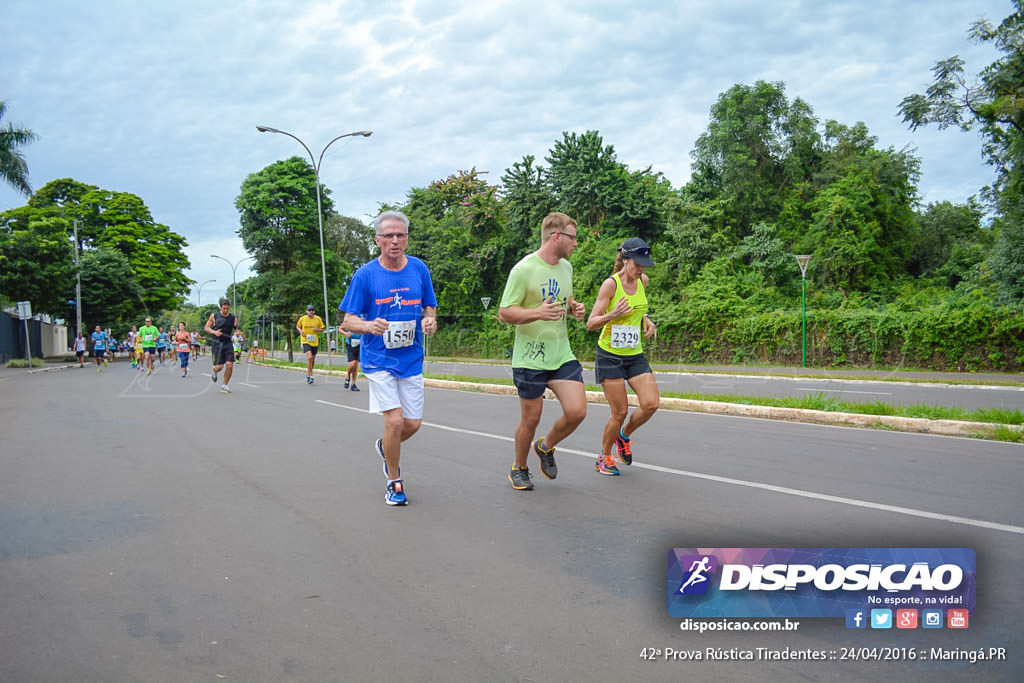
[(977, 336)]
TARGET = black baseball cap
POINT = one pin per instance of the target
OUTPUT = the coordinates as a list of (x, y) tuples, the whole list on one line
[(638, 250)]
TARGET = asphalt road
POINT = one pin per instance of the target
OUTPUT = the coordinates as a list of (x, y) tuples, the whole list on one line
[(931, 389), (154, 529)]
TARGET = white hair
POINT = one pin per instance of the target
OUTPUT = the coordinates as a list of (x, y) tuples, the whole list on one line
[(390, 214)]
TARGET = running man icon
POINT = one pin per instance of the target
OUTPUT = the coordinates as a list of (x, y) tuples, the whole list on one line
[(698, 569)]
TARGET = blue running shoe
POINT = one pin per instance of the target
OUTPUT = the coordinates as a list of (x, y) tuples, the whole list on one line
[(395, 494), (379, 445)]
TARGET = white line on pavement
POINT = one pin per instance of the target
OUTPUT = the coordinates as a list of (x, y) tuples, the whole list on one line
[(750, 484)]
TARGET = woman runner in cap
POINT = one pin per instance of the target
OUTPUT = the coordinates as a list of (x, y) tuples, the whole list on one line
[(620, 312)]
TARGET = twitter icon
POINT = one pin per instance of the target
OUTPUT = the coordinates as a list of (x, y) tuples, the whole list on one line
[(881, 618)]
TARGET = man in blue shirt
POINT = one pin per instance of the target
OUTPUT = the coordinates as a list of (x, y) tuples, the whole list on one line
[(391, 303), (99, 348)]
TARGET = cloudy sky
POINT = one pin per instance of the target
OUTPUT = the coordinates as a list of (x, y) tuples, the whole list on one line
[(163, 99)]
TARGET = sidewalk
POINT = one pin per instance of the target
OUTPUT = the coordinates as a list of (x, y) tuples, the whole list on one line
[(878, 374)]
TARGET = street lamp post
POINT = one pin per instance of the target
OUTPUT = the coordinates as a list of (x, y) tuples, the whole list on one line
[(78, 286), (234, 297), (803, 260), (199, 294), (319, 212)]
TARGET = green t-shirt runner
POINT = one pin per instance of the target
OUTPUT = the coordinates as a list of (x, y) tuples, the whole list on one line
[(149, 334), (541, 344)]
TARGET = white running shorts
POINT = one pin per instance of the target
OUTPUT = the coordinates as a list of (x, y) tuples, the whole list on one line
[(388, 392)]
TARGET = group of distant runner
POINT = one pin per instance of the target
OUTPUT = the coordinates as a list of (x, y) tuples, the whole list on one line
[(162, 345), (390, 304)]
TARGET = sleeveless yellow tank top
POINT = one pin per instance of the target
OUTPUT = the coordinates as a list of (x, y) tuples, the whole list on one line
[(623, 336)]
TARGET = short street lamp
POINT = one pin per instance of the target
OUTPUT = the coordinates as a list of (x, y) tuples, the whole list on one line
[(803, 260), (486, 301), (319, 211), (234, 267)]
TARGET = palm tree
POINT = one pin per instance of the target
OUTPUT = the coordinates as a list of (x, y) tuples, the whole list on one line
[(13, 168)]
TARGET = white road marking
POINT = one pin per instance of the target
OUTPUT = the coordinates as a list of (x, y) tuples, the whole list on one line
[(748, 484)]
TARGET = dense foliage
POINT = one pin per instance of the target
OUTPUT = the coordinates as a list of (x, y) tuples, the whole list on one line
[(890, 282)]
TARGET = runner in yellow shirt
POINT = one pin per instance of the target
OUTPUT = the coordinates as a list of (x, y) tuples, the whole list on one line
[(310, 326), (139, 364)]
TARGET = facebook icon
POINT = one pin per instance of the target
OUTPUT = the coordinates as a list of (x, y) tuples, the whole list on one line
[(856, 618)]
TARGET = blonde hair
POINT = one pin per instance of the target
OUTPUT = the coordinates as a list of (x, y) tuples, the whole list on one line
[(620, 262), (554, 222)]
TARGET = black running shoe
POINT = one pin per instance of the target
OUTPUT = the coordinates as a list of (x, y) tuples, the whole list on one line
[(547, 460), (520, 478)]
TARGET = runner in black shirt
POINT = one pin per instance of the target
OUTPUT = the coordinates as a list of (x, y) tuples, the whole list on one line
[(222, 325)]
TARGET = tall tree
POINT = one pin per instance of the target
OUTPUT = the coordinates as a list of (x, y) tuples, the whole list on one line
[(757, 149), (588, 182), (527, 200), (277, 212), (13, 168), (279, 227), (582, 172), (993, 102)]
